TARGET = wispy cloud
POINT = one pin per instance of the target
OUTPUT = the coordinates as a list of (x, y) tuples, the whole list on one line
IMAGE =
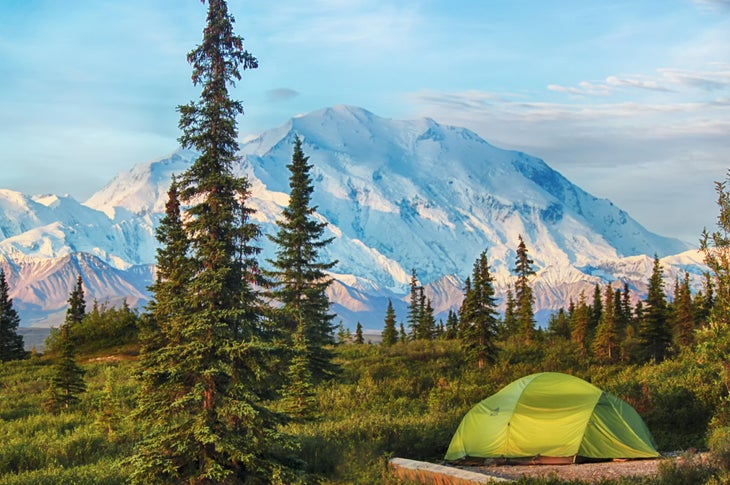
[(281, 94), (636, 82), (717, 4), (584, 88), (667, 80), (708, 80)]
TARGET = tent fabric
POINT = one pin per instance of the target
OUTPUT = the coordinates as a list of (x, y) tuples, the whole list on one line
[(552, 415)]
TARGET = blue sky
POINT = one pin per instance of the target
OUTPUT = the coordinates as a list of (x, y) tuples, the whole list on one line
[(630, 100)]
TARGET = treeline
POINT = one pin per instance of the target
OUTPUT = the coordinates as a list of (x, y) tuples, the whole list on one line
[(609, 326)]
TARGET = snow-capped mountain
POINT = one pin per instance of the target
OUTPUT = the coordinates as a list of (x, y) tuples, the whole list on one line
[(397, 196)]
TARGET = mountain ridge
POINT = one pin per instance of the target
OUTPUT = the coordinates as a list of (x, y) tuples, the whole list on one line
[(397, 195)]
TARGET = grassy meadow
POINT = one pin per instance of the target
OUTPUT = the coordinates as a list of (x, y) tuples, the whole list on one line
[(405, 400)]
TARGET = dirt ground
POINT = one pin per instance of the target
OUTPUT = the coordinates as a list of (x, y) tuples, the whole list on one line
[(589, 472)]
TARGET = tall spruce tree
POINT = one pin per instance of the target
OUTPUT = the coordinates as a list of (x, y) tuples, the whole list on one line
[(209, 422), (390, 333), (300, 277), (413, 319), (479, 315), (68, 377), (466, 305), (11, 344), (626, 314), (596, 309), (655, 336), (524, 313)]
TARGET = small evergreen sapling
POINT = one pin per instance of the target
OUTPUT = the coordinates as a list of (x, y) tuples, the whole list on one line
[(68, 376), (390, 333)]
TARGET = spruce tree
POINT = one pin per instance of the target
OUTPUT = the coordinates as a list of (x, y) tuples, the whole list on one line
[(359, 337), (390, 333), (299, 276), (626, 314), (479, 315), (509, 328), (466, 307), (342, 333), (174, 272), (208, 422), (655, 336), (440, 332), (299, 401), (524, 314), (559, 325), (68, 376), (703, 300), (580, 324), (76, 304), (402, 335), (607, 340), (413, 318), (452, 325), (596, 310), (161, 367), (11, 344), (683, 315), (426, 319)]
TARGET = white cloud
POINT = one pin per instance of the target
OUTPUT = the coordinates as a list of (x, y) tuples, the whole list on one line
[(715, 78), (584, 88), (635, 82)]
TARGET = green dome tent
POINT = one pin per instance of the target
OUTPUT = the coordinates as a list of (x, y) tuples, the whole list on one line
[(552, 415)]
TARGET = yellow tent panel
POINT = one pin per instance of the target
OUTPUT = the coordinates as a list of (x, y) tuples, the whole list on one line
[(552, 415)]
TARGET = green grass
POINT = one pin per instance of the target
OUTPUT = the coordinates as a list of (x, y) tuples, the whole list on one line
[(403, 401)]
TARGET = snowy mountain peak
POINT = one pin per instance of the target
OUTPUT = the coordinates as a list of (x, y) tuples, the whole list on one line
[(397, 195), (143, 189)]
